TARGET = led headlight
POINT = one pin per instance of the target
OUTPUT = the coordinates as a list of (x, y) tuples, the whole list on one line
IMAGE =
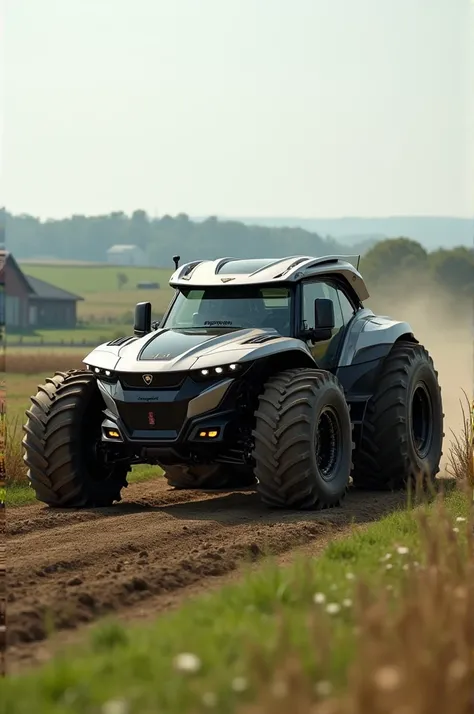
[(224, 370), (99, 372)]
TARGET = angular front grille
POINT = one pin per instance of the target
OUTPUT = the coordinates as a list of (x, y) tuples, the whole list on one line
[(161, 380), (168, 416)]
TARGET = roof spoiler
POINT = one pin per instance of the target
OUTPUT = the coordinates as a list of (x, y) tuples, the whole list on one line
[(352, 259)]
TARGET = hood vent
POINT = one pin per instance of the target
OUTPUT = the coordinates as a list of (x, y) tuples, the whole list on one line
[(121, 341), (260, 339)]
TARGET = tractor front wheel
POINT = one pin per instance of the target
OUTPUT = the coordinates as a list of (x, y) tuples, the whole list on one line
[(62, 444)]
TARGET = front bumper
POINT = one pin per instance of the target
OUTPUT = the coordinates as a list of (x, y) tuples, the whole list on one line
[(167, 424)]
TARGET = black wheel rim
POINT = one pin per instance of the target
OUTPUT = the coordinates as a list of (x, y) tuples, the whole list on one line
[(328, 443), (421, 420)]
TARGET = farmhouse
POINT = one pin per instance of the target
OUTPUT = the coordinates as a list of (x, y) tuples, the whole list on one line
[(29, 303), (126, 255)]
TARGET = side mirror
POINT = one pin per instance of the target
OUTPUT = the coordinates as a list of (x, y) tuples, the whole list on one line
[(142, 324), (324, 314), (324, 321)]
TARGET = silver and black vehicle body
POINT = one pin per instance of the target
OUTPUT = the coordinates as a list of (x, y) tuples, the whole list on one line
[(265, 372)]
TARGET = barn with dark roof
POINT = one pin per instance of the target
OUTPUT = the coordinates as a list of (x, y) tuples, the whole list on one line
[(30, 303)]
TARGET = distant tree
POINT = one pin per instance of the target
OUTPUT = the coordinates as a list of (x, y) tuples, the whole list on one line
[(454, 270), (122, 280), (395, 258)]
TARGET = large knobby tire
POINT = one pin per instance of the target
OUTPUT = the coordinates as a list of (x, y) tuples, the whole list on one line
[(303, 440), (209, 477), (61, 436), (402, 434)]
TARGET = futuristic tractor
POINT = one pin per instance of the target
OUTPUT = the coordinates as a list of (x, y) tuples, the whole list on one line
[(265, 373)]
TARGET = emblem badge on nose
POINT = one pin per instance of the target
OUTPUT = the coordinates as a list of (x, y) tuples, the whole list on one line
[(148, 379)]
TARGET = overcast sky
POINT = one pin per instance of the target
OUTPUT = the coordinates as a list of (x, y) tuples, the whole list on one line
[(237, 107)]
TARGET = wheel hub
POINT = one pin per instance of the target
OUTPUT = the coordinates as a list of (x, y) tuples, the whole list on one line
[(421, 420), (327, 443)]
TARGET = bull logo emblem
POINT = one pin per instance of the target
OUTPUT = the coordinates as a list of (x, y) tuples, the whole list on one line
[(148, 379)]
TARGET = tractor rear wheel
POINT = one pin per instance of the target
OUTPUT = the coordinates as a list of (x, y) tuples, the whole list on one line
[(62, 444), (303, 440), (402, 433), (209, 477)]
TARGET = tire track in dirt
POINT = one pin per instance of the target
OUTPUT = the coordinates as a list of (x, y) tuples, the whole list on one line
[(69, 568)]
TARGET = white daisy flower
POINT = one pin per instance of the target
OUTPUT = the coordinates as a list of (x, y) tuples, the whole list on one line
[(187, 662), (319, 598)]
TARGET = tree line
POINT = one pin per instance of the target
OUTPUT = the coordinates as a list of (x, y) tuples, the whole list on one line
[(89, 238), (394, 262)]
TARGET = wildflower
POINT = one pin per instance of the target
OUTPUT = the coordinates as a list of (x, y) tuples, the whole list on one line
[(389, 566), (333, 608), (386, 557), (350, 576), (455, 530), (347, 602), (319, 598), (460, 519), (323, 689), (115, 706), (387, 678), (405, 567), (402, 550), (239, 684), (209, 699), (187, 662)]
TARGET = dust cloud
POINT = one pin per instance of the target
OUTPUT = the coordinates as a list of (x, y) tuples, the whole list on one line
[(447, 333)]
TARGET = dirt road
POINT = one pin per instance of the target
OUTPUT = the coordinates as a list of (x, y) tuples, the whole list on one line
[(73, 567)]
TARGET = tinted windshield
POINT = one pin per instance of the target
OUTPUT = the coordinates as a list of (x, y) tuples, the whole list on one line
[(232, 308)]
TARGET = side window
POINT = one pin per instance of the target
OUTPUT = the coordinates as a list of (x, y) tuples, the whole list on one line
[(347, 307), (312, 291)]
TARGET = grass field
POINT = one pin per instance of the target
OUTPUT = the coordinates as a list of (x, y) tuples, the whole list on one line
[(381, 623), (98, 285), (84, 279)]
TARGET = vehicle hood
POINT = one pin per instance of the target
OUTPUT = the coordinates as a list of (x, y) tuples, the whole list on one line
[(182, 350)]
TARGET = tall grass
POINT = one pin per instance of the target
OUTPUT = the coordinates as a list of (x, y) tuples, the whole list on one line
[(13, 449), (413, 649)]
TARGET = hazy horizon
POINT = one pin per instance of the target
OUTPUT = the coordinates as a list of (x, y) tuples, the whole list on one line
[(314, 109)]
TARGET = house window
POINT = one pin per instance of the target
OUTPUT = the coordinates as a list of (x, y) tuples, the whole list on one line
[(33, 315), (12, 311)]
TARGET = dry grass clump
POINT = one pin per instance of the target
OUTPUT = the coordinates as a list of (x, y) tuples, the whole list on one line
[(413, 651), (461, 456), (413, 646)]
